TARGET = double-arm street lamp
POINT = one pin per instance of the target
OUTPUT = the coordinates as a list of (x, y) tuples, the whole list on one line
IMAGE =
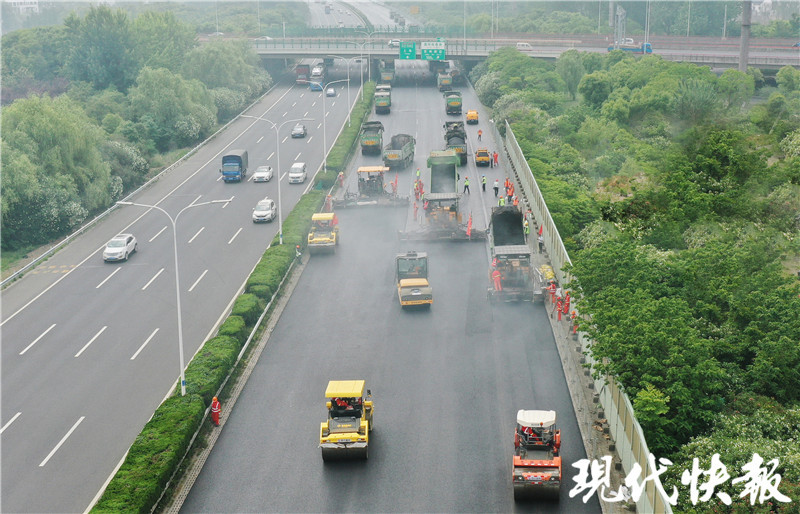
[(369, 52), (349, 106), (324, 132), (276, 128), (177, 275)]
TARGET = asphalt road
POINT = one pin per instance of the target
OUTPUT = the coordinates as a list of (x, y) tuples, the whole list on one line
[(90, 349), (447, 383)]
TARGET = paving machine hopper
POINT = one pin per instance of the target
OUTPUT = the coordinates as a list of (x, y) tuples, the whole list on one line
[(537, 462)]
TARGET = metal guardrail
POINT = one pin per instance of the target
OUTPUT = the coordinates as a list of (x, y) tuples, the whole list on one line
[(627, 434)]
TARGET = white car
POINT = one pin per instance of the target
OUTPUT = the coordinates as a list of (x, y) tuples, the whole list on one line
[(330, 92), (264, 211), (119, 248), (394, 43), (263, 174)]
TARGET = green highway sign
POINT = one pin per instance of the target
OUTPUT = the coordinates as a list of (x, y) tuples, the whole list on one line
[(408, 50), (433, 50)]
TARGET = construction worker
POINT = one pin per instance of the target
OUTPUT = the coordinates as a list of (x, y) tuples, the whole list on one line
[(496, 187), (416, 189), (495, 157), (541, 243), (497, 279), (526, 227), (566, 304), (483, 183), (216, 408), (417, 172), (466, 184), (501, 202), (480, 133), (491, 161), (297, 251), (552, 289), (516, 202), (416, 208)]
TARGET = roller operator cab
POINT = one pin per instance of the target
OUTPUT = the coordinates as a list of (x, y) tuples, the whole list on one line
[(536, 469), (413, 288), (345, 434)]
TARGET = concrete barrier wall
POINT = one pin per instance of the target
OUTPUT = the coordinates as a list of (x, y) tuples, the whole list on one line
[(625, 431)]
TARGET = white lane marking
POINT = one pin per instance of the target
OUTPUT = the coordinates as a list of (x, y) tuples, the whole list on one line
[(198, 233), (195, 200), (187, 179), (284, 114), (251, 178), (144, 344), (63, 439), (313, 103), (158, 234), (294, 104), (270, 156), (229, 201), (91, 341), (309, 139), (98, 286), (259, 139), (283, 175), (333, 103), (234, 235), (219, 178), (327, 113), (298, 155), (9, 422), (319, 126), (37, 339), (285, 139), (154, 277), (203, 274), (305, 115)]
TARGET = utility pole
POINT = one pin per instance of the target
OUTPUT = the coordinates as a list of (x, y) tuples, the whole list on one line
[(744, 42)]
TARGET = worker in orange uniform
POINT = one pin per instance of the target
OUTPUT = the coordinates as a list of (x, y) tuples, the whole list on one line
[(566, 304), (552, 289), (480, 133), (497, 278), (216, 408)]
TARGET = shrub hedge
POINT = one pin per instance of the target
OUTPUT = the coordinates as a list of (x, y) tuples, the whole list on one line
[(158, 450)]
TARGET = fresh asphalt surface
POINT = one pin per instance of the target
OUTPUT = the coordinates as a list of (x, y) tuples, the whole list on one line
[(447, 383)]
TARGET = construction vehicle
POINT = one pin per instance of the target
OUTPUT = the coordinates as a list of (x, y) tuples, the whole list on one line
[(482, 157), (371, 137), (511, 257), (234, 166), (324, 234), (383, 102), (345, 434), (443, 221), (472, 117), (302, 72), (455, 138), (399, 153), (444, 80), (411, 272), (452, 102), (537, 462), (387, 71)]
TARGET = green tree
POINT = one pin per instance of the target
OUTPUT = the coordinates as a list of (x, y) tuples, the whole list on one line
[(161, 40), (103, 50), (227, 64), (788, 79), (571, 69), (736, 87), (694, 100), (595, 88)]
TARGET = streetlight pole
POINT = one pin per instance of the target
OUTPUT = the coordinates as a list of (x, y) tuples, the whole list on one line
[(361, 65), (369, 52), (276, 127), (349, 105), (324, 132), (174, 222)]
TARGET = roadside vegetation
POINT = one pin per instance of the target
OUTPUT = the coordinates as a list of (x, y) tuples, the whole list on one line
[(677, 193)]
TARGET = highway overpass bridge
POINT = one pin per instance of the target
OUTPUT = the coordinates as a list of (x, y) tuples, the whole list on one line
[(713, 52)]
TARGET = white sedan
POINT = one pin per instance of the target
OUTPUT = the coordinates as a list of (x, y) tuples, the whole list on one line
[(119, 248), (263, 174)]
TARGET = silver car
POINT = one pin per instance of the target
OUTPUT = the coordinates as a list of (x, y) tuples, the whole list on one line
[(264, 211), (299, 130), (120, 248), (263, 174)]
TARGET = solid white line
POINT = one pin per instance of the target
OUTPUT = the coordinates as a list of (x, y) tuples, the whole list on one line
[(63, 439), (154, 277), (9, 422), (91, 341), (159, 233), (198, 233), (198, 280), (259, 139), (37, 339), (234, 235), (298, 155), (144, 344), (270, 156), (98, 286)]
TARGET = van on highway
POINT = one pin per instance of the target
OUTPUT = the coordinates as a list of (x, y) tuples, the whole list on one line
[(297, 173), (524, 47)]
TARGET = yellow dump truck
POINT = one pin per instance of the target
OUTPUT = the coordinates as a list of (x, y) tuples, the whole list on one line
[(413, 289), (324, 234), (472, 117), (482, 157), (345, 434)]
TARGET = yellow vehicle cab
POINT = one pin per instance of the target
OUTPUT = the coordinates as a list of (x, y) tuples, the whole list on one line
[(324, 234), (472, 117), (345, 434), (482, 157)]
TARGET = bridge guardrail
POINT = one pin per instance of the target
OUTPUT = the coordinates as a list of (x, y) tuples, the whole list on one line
[(625, 431)]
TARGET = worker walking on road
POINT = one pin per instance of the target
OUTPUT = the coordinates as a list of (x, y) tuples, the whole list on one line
[(483, 183), (496, 187), (216, 408), (480, 133), (466, 185), (495, 158), (541, 243)]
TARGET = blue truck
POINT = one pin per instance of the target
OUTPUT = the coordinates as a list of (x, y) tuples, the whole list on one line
[(628, 45), (234, 166)]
